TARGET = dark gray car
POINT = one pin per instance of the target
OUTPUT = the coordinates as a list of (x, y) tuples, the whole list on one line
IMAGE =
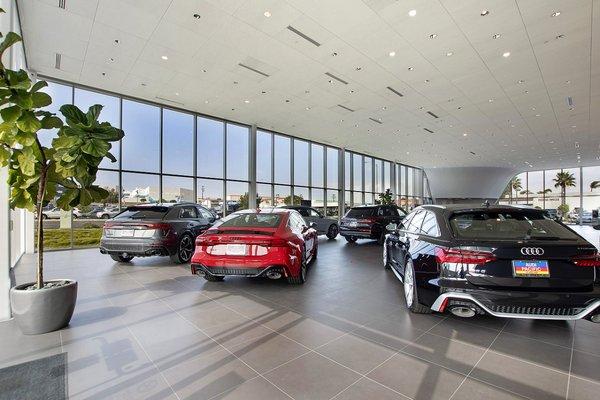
[(324, 225), (155, 230)]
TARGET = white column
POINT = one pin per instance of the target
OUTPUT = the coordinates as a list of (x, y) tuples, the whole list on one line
[(4, 246)]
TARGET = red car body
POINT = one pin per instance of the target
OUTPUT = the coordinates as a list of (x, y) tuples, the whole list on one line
[(274, 243)]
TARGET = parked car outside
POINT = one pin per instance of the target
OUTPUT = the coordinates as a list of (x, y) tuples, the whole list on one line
[(585, 217), (168, 229), (324, 225), (107, 212), (274, 243), (55, 213), (91, 214), (505, 261), (369, 222)]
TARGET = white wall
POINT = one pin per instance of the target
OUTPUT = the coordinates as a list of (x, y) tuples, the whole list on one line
[(468, 182), (13, 224)]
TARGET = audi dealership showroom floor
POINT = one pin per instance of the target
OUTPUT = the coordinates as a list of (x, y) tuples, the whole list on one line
[(151, 330)]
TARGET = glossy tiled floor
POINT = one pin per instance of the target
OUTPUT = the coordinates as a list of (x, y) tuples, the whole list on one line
[(150, 330)]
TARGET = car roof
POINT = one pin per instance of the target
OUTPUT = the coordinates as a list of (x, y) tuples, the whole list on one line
[(475, 207), (268, 210)]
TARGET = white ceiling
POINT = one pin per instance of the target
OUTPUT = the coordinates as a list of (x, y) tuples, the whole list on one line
[(475, 91)]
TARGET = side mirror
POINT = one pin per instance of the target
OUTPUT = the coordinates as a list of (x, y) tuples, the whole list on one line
[(597, 227), (312, 225), (391, 227)]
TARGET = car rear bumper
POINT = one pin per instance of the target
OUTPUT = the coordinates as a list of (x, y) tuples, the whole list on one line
[(249, 272), (136, 247), (282, 260), (524, 305), (365, 233)]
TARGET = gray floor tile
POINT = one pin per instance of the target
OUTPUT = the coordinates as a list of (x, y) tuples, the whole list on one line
[(587, 342), (208, 375), (368, 389), (254, 389), (312, 377), (521, 377), (580, 389), (355, 352), (533, 351), (555, 332), (267, 352), (586, 366), (464, 332), (395, 335), (303, 329), (451, 354), (474, 389), (417, 379), (236, 332)]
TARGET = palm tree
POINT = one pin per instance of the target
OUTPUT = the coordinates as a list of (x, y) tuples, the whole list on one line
[(563, 180), (516, 185), (545, 191), (594, 185)]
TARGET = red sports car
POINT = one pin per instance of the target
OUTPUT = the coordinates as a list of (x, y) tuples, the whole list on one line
[(274, 243)]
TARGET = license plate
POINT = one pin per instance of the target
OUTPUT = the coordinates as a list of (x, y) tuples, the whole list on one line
[(124, 232), (531, 268), (236, 250)]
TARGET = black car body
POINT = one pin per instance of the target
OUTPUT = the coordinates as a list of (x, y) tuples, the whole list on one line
[(499, 260), (155, 230), (369, 222), (324, 225)]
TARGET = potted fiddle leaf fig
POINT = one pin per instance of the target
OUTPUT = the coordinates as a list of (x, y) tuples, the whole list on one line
[(63, 172)]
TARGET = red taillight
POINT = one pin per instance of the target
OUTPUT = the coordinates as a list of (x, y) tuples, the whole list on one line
[(592, 260), (163, 228), (463, 256)]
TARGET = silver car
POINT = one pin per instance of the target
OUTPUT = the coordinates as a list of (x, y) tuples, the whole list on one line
[(324, 225)]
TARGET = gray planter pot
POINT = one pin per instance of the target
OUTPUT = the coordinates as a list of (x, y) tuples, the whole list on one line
[(45, 310)]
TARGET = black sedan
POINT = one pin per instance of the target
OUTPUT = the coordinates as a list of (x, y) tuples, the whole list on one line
[(168, 229), (499, 260)]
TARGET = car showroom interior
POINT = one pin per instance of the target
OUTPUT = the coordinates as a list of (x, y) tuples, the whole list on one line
[(299, 199)]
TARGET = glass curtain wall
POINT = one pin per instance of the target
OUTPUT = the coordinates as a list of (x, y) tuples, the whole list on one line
[(170, 155), (572, 193)]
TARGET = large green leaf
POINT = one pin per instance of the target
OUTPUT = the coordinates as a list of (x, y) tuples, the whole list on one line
[(93, 113), (50, 122), (41, 99), (85, 197), (20, 198), (10, 39), (10, 114), (98, 193), (25, 138), (28, 122), (38, 85), (26, 160), (73, 114), (4, 156), (23, 99), (96, 147), (18, 80), (65, 200)]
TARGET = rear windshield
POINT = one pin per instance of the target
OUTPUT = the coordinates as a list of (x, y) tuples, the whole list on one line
[(508, 224), (362, 212), (143, 213), (251, 220)]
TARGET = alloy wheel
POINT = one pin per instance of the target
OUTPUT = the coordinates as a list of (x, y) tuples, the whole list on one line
[(186, 248), (408, 284), (385, 255)]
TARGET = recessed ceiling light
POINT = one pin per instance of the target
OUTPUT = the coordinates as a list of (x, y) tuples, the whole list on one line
[(506, 54), (205, 101), (334, 54), (246, 101), (104, 74), (555, 14), (526, 92), (412, 13), (449, 54), (433, 36), (411, 68), (426, 81), (143, 84), (358, 68), (552, 142), (264, 92), (561, 36), (532, 108), (197, 16), (538, 115), (496, 36), (573, 126), (116, 42), (568, 82), (267, 14), (490, 100), (111, 60), (165, 57), (464, 134), (408, 152), (384, 108), (307, 108), (287, 100), (176, 93), (392, 53), (484, 13), (520, 81)]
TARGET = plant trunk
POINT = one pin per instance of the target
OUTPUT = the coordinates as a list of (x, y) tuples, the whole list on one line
[(40, 232)]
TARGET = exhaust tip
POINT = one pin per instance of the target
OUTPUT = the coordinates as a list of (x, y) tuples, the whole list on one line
[(463, 312), (273, 274), (595, 318)]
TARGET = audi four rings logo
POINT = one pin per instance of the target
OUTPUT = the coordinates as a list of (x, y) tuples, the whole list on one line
[(532, 251)]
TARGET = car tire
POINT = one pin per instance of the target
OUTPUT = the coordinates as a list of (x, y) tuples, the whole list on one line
[(121, 258), (410, 291), (185, 250), (333, 231), (213, 278), (381, 238), (350, 239), (315, 253), (386, 256), (301, 278), (105, 216)]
